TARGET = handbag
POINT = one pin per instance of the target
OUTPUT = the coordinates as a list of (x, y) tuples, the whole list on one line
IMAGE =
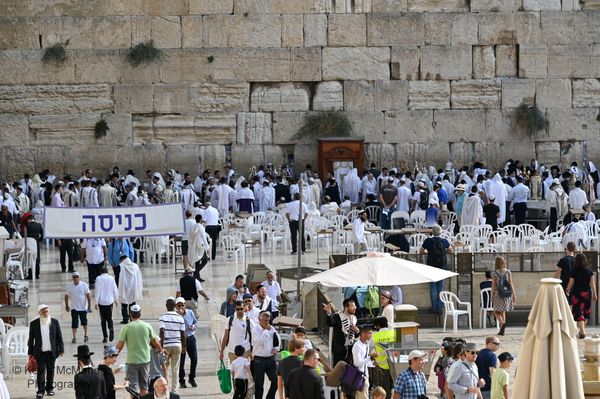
[(224, 375), (31, 365), (353, 378)]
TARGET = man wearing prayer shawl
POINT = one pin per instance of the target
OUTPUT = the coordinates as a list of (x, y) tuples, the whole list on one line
[(472, 209)]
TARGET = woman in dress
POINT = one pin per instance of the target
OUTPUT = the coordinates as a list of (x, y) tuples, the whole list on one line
[(501, 304), (581, 291)]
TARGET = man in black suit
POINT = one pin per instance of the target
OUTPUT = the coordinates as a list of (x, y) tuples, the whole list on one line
[(45, 344), (35, 231), (304, 382), (89, 382), (161, 390)]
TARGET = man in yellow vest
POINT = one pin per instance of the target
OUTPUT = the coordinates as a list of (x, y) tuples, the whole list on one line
[(380, 374)]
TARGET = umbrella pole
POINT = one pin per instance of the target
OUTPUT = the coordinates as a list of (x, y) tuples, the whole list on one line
[(299, 238)]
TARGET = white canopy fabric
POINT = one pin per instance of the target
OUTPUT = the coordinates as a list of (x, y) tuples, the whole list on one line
[(379, 269), (549, 361)]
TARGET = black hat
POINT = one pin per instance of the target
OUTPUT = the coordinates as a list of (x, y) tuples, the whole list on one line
[(83, 352)]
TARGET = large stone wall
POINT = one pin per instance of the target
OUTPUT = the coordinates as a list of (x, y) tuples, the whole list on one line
[(431, 80)]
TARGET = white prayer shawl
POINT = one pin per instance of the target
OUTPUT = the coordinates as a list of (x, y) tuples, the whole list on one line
[(131, 179), (577, 198), (222, 191), (315, 193), (197, 243), (352, 185), (267, 198), (132, 197), (198, 184), (233, 196), (591, 192), (306, 194), (349, 335), (238, 183), (471, 211), (256, 189), (107, 196), (131, 286), (497, 189), (188, 197), (89, 198), (264, 305), (558, 199), (368, 187), (22, 202), (170, 196)]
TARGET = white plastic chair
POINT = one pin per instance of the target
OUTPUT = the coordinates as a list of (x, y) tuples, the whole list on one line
[(417, 218), (399, 215), (450, 310), (15, 347), (232, 246), (353, 214), (483, 310), (14, 265), (416, 241)]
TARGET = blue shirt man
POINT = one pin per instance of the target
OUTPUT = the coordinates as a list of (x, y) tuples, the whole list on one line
[(411, 384), (118, 247), (190, 344)]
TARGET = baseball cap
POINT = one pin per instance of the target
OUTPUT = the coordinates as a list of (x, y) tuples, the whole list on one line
[(75, 274), (109, 351), (504, 356), (179, 300), (136, 308), (247, 296), (416, 354)]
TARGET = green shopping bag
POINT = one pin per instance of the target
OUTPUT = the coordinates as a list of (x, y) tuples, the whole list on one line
[(224, 376)]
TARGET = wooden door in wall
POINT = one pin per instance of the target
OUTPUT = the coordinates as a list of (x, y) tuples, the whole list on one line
[(340, 153)]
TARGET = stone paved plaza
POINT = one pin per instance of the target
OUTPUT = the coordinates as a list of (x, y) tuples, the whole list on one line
[(159, 283)]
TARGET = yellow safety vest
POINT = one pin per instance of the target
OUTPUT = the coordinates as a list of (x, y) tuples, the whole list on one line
[(385, 335)]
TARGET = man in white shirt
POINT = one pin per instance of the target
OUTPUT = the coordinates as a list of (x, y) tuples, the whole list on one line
[(358, 232), (81, 305), (520, 194), (273, 291), (93, 251), (210, 215), (265, 344), (362, 358), (369, 186), (106, 295), (172, 338), (292, 213), (190, 223), (404, 196), (89, 195), (238, 331), (57, 200), (577, 197)]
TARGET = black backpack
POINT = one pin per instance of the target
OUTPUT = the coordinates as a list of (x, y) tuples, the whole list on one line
[(436, 255), (424, 200), (504, 288)]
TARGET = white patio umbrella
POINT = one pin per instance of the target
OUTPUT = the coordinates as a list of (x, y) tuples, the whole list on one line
[(549, 361), (379, 269)]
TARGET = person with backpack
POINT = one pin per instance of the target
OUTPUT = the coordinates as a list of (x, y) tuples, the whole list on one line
[(436, 249), (238, 331), (503, 292)]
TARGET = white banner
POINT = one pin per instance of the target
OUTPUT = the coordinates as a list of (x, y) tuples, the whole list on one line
[(135, 221)]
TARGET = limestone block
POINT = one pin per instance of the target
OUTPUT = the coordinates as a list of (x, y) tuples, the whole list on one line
[(547, 152), (211, 157), (553, 93), (517, 91), (446, 62), (188, 65), (280, 97), (475, 94), (244, 156), (576, 123), (257, 65), (359, 95), (497, 28), (15, 161), (120, 129), (55, 99), (315, 30), (305, 64), (185, 129), (459, 125), (255, 30), (541, 5), (286, 125), (492, 151), (409, 126), (533, 61), (18, 33), (31, 70), (356, 63), (97, 66), (428, 95), (495, 5), (437, 5), (575, 5), (328, 96), (450, 28), (529, 27), (276, 154), (182, 158), (506, 60), (279, 6), (368, 125), (204, 7), (394, 29), (462, 153), (171, 98), (347, 30), (79, 31), (484, 62), (142, 73), (436, 153), (254, 128), (587, 5), (572, 151), (500, 126), (595, 72), (219, 97), (380, 154), (159, 7), (191, 32), (63, 129), (53, 158), (166, 31), (14, 129), (112, 32), (305, 154), (586, 93), (292, 34), (141, 29), (570, 27), (573, 61), (405, 62), (391, 95), (134, 98), (389, 6)]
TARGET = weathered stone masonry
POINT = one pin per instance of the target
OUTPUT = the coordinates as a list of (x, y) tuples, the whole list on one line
[(419, 79)]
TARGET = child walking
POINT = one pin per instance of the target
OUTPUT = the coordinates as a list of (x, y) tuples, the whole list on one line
[(240, 372)]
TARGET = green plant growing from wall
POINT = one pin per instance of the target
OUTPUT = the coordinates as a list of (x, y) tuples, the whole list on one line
[(143, 53), (530, 118), (325, 124), (100, 129), (55, 54)]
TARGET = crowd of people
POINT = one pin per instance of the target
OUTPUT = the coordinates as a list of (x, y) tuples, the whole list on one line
[(155, 361)]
